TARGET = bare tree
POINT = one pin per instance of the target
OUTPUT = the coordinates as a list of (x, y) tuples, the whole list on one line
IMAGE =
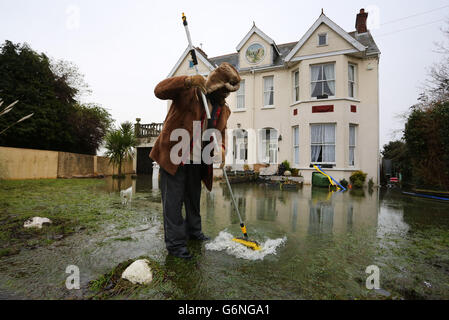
[(437, 86)]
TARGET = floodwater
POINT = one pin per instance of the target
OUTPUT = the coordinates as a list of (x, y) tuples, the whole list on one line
[(328, 241)]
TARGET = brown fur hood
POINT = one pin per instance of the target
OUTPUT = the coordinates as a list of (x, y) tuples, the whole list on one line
[(224, 76)]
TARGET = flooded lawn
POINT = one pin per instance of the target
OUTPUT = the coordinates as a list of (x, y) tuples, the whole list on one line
[(331, 238)]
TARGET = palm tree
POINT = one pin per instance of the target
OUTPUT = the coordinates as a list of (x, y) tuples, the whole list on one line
[(119, 145)]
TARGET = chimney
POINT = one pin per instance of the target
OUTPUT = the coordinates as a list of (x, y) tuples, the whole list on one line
[(360, 22)]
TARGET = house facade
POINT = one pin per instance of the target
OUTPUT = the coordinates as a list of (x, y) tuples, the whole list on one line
[(312, 101)]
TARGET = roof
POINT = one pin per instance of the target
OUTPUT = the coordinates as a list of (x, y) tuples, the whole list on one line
[(362, 43), (233, 58), (367, 40)]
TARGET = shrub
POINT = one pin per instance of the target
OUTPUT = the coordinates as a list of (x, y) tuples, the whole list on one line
[(294, 172), (358, 184), (246, 167), (370, 183), (358, 179), (284, 166), (344, 183)]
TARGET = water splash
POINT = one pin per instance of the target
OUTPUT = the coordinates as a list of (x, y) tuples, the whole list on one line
[(224, 242)]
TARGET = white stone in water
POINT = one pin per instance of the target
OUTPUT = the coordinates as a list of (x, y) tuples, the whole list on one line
[(36, 222), (287, 173), (138, 272)]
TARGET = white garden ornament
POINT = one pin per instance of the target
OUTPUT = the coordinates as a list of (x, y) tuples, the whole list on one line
[(126, 195)]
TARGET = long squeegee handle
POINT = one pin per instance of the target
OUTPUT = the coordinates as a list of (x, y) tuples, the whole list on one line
[(203, 97)]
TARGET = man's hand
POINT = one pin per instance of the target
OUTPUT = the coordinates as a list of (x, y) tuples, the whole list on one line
[(196, 81)]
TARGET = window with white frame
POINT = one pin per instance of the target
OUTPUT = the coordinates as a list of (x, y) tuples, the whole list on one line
[(352, 80), (322, 140), (352, 142), (322, 80), (269, 145), (296, 86), (268, 91), (240, 139), (322, 39), (241, 95), (296, 145)]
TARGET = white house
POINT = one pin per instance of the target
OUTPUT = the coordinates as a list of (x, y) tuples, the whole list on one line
[(312, 101)]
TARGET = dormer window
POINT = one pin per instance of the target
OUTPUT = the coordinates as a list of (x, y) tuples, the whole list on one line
[(322, 39)]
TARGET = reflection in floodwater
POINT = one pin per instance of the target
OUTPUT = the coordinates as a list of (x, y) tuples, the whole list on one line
[(331, 238), (321, 218), (321, 212), (302, 212), (266, 208), (294, 214)]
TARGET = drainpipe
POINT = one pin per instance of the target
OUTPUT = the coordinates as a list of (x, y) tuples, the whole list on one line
[(254, 115), (254, 97), (378, 125)]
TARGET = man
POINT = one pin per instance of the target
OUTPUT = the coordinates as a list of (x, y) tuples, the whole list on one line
[(181, 183)]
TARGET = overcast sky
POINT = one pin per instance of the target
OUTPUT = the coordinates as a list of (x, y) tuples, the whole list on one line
[(124, 48)]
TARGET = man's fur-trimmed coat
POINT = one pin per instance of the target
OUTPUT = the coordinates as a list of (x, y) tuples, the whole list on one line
[(187, 106)]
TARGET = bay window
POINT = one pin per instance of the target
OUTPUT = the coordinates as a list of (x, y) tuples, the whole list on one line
[(351, 80), (322, 80), (241, 95), (296, 145), (322, 143), (352, 145), (295, 86)]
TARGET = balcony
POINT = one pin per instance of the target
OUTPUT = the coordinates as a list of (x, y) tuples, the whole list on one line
[(151, 130)]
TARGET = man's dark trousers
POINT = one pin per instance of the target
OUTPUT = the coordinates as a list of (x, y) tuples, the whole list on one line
[(183, 187)]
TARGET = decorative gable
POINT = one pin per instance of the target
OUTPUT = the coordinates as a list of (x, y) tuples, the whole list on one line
[(256, 49), (324, 29), (184, 66), (323, 40)]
